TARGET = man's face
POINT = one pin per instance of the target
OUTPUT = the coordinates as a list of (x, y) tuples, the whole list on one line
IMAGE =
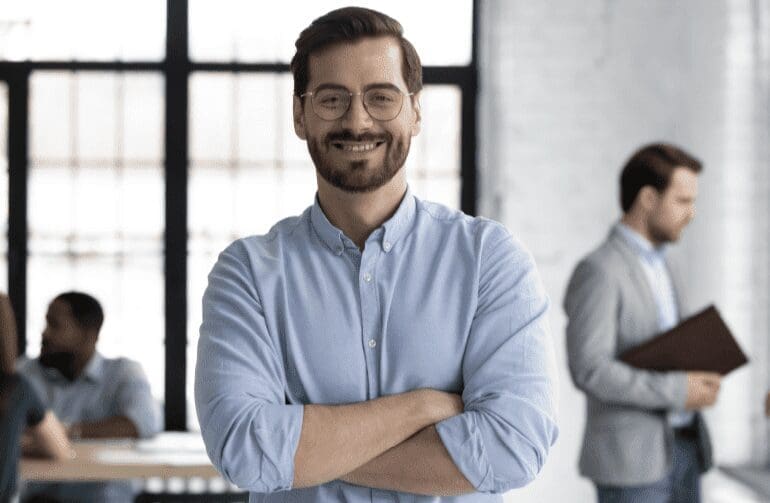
[(675, 206), (357, 153), (62, 333)]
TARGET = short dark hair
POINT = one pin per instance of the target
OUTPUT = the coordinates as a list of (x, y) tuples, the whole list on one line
[(350, 24), (85, 309), (653, 165)]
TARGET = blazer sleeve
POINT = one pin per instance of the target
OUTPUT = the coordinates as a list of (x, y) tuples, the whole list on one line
[(592, 306)]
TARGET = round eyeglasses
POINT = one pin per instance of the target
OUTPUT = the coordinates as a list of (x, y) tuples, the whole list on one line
[(381, 103)]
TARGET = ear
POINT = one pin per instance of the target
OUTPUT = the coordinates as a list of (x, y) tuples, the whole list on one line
[(299, 118), (90, 335), (417, 114), (648, 197)]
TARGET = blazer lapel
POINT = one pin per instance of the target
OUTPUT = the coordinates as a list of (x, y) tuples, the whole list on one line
[(636, 271), (676, 279)]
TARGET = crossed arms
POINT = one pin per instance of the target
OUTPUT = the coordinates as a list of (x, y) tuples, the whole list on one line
[(423, 441), (387, 443)]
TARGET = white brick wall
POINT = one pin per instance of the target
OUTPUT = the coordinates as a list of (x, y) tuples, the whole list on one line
[(568, 91)]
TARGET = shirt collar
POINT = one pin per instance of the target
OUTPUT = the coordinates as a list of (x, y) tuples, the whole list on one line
[(393, 229), (398, 225), (639, 244), (93, 371)]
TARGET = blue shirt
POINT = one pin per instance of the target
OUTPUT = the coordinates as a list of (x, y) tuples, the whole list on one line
[(436, 299), (653, 262), (107, 387)]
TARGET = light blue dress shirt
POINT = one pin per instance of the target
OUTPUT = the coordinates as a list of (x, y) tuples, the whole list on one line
[(653, 262), (437, 299), (107, 387)]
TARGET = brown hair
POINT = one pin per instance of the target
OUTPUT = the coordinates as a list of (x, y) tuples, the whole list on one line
[(85, 309), (8, 346), (348, 25), (653, 165)]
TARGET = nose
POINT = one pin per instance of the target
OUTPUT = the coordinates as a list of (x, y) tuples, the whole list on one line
[(357, 118)]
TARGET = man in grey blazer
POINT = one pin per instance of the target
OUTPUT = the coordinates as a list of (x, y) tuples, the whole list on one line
[(645, 441)]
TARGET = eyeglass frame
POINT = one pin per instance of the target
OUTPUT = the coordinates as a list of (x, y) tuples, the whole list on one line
[(351, 94)]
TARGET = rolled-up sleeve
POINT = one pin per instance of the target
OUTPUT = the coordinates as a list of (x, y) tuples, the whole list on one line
[(250, 433), (503, 437)]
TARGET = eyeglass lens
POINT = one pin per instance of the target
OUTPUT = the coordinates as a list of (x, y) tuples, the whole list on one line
[(382, 104)]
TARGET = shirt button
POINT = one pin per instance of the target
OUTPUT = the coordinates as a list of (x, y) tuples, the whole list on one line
[(387, 246), (372, 343), (368, 277)]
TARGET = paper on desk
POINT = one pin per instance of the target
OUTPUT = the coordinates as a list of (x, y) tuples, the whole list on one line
[(173, 441), (168, 448), (132, 457)]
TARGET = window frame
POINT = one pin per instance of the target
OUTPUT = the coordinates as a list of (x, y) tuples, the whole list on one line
[(176, 70)]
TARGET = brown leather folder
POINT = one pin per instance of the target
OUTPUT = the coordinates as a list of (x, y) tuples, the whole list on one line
[(701, 342)]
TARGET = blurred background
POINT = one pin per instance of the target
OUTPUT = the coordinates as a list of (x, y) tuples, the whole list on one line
[(137, 139)]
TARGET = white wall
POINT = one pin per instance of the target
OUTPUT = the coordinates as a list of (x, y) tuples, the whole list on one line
[(568, 91)]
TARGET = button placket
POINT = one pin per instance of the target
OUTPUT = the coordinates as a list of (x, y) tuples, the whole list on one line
[(370, 316)]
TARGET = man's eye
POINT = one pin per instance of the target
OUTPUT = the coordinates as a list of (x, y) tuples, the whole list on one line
[(330, 101), (381, 99)]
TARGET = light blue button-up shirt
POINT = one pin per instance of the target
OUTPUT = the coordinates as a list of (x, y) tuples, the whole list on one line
[(653, 262), (437, 299), (107, 387)]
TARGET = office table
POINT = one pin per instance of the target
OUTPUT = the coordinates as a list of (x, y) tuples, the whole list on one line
[(169, 455)]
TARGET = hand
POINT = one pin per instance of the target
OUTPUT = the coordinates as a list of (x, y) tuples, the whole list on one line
[(702, 389)]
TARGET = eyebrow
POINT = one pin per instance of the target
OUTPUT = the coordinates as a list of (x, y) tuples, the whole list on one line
[(376, 85)]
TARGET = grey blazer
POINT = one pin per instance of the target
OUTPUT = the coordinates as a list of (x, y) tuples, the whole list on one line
[(610, 306)]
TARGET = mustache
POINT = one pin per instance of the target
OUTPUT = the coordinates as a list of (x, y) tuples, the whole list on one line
[(347, 135)]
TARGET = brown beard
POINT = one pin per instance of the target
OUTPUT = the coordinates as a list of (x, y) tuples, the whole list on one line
[(62, 361), (349, 178), (661, 236)]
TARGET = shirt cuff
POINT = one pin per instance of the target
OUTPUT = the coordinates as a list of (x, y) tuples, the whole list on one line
[(466, 448)]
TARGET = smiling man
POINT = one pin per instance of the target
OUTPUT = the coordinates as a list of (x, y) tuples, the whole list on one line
[(645, 440), (377, 346)]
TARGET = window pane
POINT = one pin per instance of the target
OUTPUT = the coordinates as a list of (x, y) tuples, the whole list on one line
[(433, 165), (96, 207), (242, 30), (93, 30), (4, 186), (248, 169)]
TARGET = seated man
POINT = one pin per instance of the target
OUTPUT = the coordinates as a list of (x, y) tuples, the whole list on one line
[(96, 397)]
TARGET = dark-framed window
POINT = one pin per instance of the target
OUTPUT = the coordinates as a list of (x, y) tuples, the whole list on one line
[(130, 167)]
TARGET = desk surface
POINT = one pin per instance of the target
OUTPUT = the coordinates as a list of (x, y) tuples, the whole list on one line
[(167, 456)]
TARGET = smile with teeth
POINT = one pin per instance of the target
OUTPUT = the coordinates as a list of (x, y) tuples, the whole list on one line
[(356, 146)]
